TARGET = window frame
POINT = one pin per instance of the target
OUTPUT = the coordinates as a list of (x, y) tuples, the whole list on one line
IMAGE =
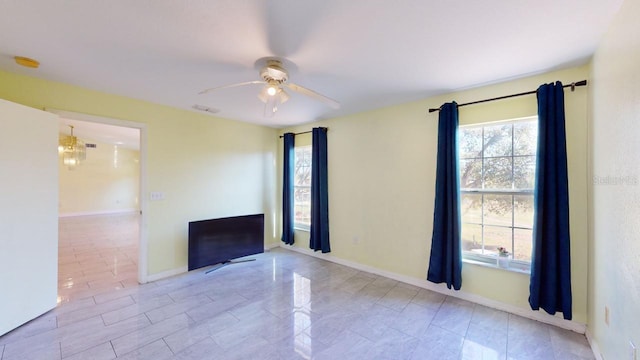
[(296, 224), (491, 260)]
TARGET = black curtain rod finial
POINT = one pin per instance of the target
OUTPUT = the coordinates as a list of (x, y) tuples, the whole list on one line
[(579, 83)]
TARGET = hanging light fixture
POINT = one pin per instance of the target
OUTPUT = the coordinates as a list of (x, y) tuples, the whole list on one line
[(272, 95), (73, 151)]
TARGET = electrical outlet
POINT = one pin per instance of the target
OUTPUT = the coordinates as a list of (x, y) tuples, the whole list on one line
[(606, 315), (632, 351)]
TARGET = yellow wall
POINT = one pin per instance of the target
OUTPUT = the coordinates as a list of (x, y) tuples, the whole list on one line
[(107, 181), (382, 180), (207, 167), (614, 276)]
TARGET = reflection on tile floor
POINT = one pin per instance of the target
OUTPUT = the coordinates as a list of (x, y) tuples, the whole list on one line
[(96, 254), (283, 306)]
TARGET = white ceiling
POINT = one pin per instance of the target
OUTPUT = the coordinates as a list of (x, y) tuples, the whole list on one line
[(364, 53)]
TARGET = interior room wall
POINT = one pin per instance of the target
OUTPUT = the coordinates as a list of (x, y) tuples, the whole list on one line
[(614, 274), (204, 166), (106, 182), (382, 180)]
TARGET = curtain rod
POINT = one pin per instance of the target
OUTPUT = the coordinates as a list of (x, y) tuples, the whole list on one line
[(572, 86), (306, 132)]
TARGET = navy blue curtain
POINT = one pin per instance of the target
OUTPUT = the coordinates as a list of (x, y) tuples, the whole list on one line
[(319, 239), (287, 188), (445, 263), (550, 287)]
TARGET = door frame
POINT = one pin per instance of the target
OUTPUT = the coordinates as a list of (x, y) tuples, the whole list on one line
[(143, 248)]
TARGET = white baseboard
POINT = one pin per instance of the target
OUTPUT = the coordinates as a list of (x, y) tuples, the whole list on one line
[(594, 345), (102, 212), (441, 288), (268, 247), (166, 274)]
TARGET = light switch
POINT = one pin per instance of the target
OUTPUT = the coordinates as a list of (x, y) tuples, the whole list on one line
[(156, 195)]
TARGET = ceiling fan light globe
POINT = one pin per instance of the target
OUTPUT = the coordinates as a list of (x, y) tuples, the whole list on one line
[(263, 96), (283, 96), (271, 90)]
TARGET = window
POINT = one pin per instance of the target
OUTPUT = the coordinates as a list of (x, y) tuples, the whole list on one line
[(302, 188), (497, 178)]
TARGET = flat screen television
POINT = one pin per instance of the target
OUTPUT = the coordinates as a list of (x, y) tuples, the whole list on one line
[(218, 241)]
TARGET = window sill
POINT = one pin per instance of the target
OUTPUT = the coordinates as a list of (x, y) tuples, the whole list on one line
[(520, 269), (301, 229)]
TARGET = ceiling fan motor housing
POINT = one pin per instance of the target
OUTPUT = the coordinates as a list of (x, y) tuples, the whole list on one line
[(273, 72)]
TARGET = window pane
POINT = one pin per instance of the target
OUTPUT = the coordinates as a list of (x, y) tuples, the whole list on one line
[(302, 194), (497, 140), (523, 240), (471, 174), (524, 172), (495, 237), (302, 201), (497, 173), (302, 186), (523, 211), (470, 142), (471, 208), (303, 177), (525, 138), (303, 167), (471, 238), (498, 209), (302, 214)]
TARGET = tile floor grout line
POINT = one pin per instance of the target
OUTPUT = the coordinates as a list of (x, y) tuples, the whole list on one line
[(113, 348), (165, 342), (508, 325), (153, 340), (148, 318)]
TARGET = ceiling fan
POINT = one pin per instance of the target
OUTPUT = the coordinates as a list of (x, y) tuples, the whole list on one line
[(275, 78)]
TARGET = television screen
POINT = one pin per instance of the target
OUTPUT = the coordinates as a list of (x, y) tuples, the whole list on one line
[(218, 241)]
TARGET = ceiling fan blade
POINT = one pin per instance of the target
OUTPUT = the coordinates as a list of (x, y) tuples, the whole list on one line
[(232, 85), (310, 93)]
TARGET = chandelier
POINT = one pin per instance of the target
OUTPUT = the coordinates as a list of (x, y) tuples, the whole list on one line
[(73, 151)]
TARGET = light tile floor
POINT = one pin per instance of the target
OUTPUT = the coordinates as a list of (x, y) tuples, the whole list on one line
[(284, 305)]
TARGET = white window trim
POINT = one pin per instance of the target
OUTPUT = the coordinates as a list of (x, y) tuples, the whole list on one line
[(302, 227), (519, 266)]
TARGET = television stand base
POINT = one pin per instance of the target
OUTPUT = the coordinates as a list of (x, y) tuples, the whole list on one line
[(225, 263)]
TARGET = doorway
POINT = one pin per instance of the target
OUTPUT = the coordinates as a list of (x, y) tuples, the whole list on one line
[(99, 207)]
